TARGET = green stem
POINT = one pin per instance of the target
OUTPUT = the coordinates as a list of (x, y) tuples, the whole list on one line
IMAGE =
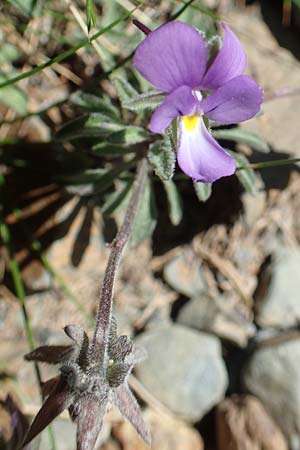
[(20, 292), (265, 164), (67, 53), (21, 295)]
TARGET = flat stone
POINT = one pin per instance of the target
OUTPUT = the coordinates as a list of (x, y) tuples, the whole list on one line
[(280, 306), (184, 370), (163, 435), (183, 273), (272, 374), (244, 424), (209, 314)]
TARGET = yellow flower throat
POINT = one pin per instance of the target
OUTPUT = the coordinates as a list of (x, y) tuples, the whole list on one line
[(190, 122)]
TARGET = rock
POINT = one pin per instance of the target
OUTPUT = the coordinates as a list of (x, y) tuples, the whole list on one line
[(36, 277), (254, 207), (273, 67), (209, 314), (272, 374), (183, 273), (244, 424), (184, 370), (280, 307), (163, 434)]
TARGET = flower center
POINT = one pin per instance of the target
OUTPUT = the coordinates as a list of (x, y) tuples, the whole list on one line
[(190, 122)]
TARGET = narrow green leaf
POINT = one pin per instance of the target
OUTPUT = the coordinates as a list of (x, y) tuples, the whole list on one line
[(174, 202), (129, 136), (86, 177), (124, 89), (93, 125), (203, 191), (114, 200), (90, 14), (146, 217), (94, 103), (150, 100), (162, 158), (244, 137), (246, 177)]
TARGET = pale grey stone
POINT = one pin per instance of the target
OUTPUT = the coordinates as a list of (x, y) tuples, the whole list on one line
[(272, 374), (219, 317), (184, 370), (183, 273), (280, 306)]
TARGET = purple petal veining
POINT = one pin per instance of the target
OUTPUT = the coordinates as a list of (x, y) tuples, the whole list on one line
[(172, 56)]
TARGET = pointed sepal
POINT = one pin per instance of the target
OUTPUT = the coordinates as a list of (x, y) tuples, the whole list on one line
[(89, 421), (124, 400), (53, 406), (51, 354)]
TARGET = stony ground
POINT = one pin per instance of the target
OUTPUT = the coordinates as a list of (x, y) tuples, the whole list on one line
[(218, 315)]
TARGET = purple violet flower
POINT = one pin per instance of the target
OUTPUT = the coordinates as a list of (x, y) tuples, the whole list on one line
[(173, 58)]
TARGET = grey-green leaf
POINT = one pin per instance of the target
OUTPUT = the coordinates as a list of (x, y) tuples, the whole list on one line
[(8, 53), (148, 100), (129, 136), (246, 177), (244, 137), (26, 6), (146, 217), (114, 200), (94, 103), (13, 97), (124, 89), (162, 158), (174, 202), (93, 125), (203, 191)]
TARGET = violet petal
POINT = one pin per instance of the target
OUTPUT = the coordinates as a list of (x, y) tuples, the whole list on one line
[(53, 406), (236, 101), (173, 55), (124, 400), (89, 421), (200, 156), (180, 103), (229, 63)]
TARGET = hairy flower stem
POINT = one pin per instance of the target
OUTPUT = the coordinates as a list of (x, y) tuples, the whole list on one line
[(103, 318)]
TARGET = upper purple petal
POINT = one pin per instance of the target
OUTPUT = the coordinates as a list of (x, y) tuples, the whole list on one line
[(173, 55), (236, 101), (229, 63), (201, 157), (180, 103)]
